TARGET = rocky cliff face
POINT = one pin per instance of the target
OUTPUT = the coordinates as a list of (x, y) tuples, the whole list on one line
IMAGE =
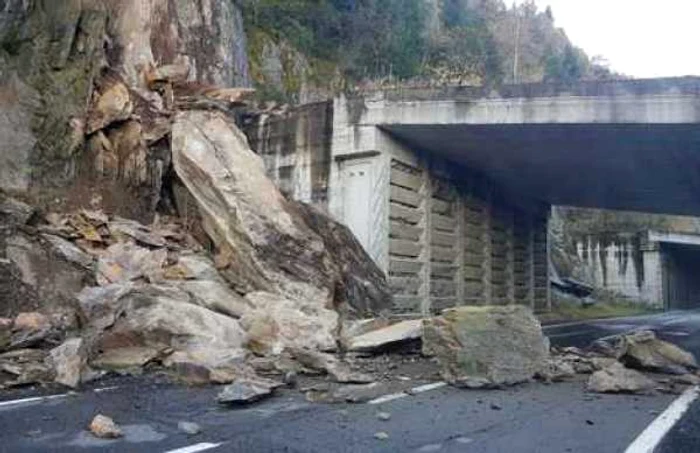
[(55, 57)]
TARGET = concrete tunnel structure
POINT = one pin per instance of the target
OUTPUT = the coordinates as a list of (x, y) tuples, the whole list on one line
[(450, 189)]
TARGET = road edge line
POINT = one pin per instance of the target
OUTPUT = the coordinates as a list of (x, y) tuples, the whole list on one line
[(652, 436)]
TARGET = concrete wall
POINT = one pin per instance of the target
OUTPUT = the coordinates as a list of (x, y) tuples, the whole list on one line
[(455, 239), (296, 149), (626, 265)]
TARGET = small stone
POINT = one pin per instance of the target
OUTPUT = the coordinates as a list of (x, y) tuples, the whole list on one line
[(384, 416), (246, 391), (590, 422), (189, 428), (291, 379), (104, 427), (496, 407), (381, 435)]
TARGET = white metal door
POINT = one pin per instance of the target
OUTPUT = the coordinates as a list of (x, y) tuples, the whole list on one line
[(356, 195)]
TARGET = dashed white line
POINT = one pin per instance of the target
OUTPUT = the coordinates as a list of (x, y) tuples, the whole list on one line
[(657, 430), (36, 399), (195, 448), (41, 399), (414, 391)]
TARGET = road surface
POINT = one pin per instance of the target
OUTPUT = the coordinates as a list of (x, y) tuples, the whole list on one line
[(532, 418)]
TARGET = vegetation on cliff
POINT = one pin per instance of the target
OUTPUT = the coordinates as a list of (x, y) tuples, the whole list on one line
[(437, 41)]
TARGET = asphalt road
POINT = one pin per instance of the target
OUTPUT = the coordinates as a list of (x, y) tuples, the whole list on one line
[(532, 418)]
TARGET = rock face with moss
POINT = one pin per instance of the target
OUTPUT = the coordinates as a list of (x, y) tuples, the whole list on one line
[(57, 58)]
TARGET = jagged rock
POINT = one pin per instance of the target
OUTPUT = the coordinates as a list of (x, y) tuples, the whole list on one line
[(387, 336), (31, 322), (124, 262), (487, 346), (365, 289), (263, 242), (557, 370), (618, 379), (69, 360), (36, 276), (5, 333), (276, 323), (352, 393), (161, 318), (24, 367), (341, 372), (643, 350), (136, 231), (14, 212), (246, 391), (687, 379), (216, 296), (111, 104), (69, 251), (126, 358), (104, 427)]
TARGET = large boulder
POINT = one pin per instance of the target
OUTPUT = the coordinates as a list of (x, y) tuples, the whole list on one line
[(644, 350), (618, 379), (263, 243), (162, 321), (365, 290), (487, 346)]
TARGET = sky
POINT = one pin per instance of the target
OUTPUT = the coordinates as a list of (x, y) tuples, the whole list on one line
[(639, 38)]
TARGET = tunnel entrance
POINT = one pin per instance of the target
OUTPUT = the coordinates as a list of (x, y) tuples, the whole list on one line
[(681, 276)]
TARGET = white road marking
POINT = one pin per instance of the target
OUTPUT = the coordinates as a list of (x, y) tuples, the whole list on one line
[(414, 391), (36, 399), (657, 430), (195, 448), (41, 399)]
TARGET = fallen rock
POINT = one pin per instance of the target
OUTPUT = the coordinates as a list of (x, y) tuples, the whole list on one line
[(189, 428), (160, 318), (113, 104), (31, 322), (365, 289), (126, 358), (352, 393), (384, 416), (25, 367), (14, 212), (341, 372), (643, 350), (69, 361), (687, 379), (246, 391), (276, 323), (618, 379), (216, 296), (557, 370), (263, 242), (381, 435), (487, 346), (387, 336), (104, 427), (69, 251), (125, 262)]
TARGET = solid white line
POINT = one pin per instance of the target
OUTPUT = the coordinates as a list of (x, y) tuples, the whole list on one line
[(195, 448), (413, 391), (654, 434), (36, 399)]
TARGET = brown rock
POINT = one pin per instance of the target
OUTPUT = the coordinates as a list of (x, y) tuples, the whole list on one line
[(340, 371), (112, 104), (644, 351), (104, 427), (69, 361), (618, 379), (31, 322)]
